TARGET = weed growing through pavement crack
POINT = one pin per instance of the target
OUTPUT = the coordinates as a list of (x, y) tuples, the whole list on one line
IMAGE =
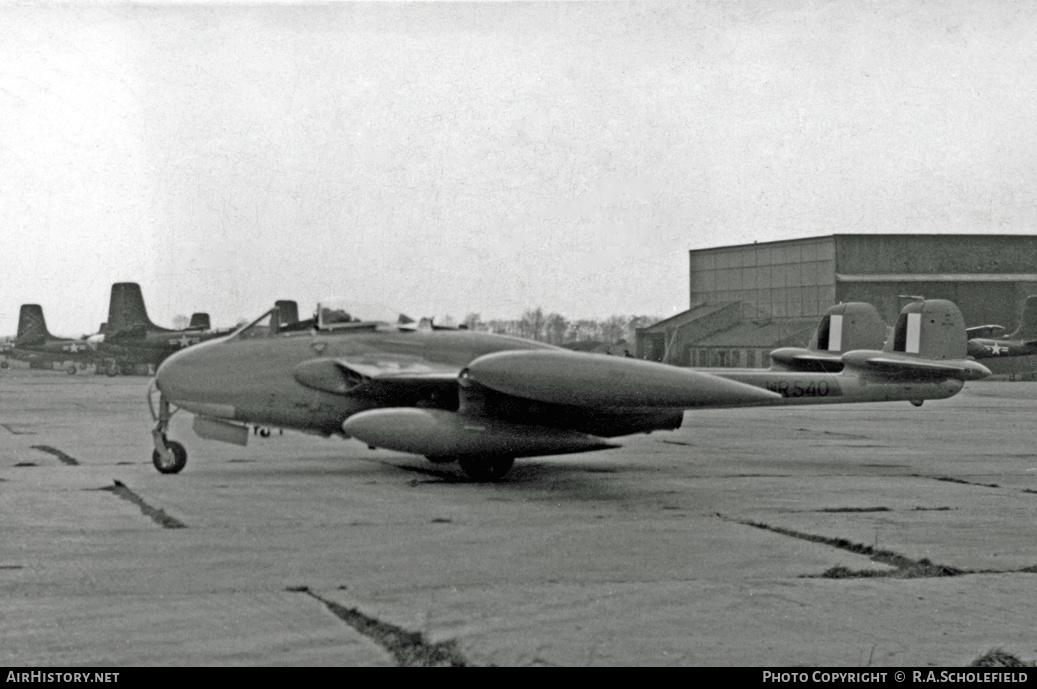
[(156, 515), (410, 649), (905, 568)]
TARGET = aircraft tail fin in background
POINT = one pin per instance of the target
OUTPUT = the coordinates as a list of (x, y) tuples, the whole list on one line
[(32, 328), (289, 311), (1027, 329), (199, 321), (126, 310)]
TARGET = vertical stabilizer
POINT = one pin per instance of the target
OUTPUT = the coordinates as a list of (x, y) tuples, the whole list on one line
[(1027, 329), (126, 310), (850, 326), (289, 311), (32, 328), (930, 329), (199, 321)]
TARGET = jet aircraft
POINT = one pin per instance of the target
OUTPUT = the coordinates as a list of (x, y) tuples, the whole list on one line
[(36, 345), (483, 400), (1022, 342)]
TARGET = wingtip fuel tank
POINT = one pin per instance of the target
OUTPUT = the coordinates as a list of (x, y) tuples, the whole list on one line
[(438, 433), (589, 380)]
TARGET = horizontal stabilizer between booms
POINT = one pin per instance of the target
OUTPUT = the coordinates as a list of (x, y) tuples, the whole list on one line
[(909, 368), (589, 380), (438, 433), (799, 359)]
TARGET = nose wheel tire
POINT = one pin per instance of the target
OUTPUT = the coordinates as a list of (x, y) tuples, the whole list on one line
[(486, 468), (173, 465)]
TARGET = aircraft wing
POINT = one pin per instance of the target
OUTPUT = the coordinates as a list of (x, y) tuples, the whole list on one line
[(557, 377), (383, 376), (984, 331), (798, 359), (562, 377), (908, 368)]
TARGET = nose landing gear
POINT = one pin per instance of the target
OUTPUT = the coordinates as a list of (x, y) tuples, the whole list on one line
[(169, 456)]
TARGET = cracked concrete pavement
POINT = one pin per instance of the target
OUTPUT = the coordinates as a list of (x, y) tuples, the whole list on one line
[(706, 546)]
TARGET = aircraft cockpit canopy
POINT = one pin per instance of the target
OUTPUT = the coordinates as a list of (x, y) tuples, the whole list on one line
[(334, 314), (330, 315)]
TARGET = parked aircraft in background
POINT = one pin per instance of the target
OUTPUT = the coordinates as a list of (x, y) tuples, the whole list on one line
[(36, 345), (483, 400), (984, 342), (131, 338)]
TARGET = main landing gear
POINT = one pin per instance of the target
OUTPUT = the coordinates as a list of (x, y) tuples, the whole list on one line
[(169, 456), (479, 468)]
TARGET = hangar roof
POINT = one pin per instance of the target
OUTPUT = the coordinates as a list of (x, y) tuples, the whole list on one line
[(694, 313), (775, 333)]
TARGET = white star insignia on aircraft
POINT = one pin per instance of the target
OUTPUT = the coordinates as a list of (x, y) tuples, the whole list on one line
[(183, 341), (73, 348), (997, 349)]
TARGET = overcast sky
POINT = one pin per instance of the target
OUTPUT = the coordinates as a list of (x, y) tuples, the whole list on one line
[(448, 158)]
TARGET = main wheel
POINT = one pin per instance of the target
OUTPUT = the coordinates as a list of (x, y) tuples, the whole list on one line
[(486, 468), (4, 364), (111, 369), (71, 369), (179, 458)]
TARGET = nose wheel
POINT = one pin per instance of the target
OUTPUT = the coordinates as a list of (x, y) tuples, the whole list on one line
[(169, 456), (173, 460), (485, 469)]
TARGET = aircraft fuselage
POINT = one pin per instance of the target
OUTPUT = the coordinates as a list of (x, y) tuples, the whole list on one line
[(983, 348), (836, 388), (255, 381)]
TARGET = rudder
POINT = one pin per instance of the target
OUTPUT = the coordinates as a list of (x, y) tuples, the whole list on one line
[(849, 326), (289, 311), (32, 327), (929, 329), (199, 321), (1027, 329), (126, 309)]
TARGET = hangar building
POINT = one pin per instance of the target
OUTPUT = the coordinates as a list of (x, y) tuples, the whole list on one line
[(747, 300)]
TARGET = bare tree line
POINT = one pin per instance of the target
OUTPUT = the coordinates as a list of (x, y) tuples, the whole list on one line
[(553, 328), (556, 329)]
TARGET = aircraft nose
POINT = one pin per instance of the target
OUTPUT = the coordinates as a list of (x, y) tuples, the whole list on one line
[(201, 377), (169, 377)]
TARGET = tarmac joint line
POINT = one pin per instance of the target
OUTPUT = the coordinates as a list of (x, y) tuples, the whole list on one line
[(951, 479), (71, 461), (905, 567), (158, 516), (17, 429), (410, 649)]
